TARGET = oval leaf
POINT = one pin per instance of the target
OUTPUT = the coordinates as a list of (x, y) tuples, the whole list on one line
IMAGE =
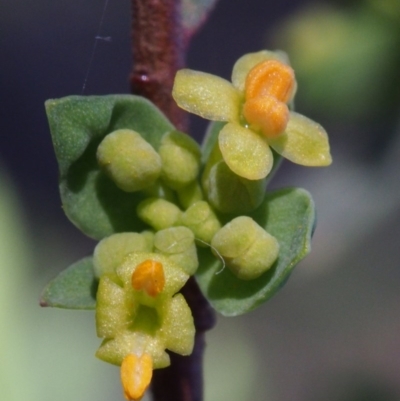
[(78, 124), (74, 288), (289, 216)]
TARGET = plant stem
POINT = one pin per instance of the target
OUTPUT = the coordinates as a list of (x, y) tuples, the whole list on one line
[(159, 52)]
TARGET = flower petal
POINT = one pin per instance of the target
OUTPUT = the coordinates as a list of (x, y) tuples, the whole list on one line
[(304, 142), (243, 66), (246, 153), (206, 95)]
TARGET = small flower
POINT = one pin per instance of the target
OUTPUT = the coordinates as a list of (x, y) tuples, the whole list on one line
[(140, 315), (255, 107)]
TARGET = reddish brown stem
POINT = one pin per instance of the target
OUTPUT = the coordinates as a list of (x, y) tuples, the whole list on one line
[(158, 52), (183, 380)]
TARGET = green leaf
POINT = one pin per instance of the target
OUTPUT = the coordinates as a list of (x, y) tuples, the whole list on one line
[(289, 216), (194, 14), (74, 288), (78, 124)]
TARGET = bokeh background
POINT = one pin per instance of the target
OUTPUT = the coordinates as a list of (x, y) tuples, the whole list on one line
[(333, 332)]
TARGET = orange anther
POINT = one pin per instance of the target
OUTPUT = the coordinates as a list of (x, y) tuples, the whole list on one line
[(149, 276), (267, 114), (136, 373), (269, 86), (270, 78)]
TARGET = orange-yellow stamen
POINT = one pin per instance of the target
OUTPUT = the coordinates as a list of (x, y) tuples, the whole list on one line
[(136, 373), (149, 276), (267, 114), (269, 86), (270, 78)]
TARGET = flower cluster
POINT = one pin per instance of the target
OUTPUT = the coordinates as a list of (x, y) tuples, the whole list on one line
[(139, 312)]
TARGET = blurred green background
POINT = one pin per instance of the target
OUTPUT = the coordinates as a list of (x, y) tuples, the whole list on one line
[(333, 332)]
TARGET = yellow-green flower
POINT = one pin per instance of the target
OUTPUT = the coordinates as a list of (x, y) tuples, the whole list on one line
[(140, 314), (255, 107)]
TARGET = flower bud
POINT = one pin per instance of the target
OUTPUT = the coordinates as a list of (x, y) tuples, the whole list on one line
[(248, 250), (129, 160), (190, 194), (158, 213), (180, 156), (230, 193), (178, 244), (201, 219)]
